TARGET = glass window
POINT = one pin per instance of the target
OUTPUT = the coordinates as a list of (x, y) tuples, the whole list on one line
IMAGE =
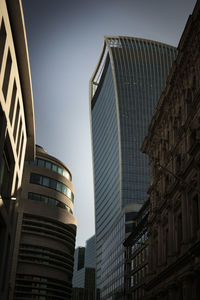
[(66, 174), (40, 162), (35, 178), (54, 168), (53, 184), (48, 165), (64, 189), (69, 193), (60, 170), (44, 198), (59, 187), (45, 181)]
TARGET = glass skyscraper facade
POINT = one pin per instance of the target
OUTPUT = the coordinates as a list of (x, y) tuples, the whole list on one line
[(124, 91)]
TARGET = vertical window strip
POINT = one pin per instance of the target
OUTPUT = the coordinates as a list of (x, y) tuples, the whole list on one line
[(16, 121), (7, 75), (21, 148), (19, 135), (2, 41), (12, 104)]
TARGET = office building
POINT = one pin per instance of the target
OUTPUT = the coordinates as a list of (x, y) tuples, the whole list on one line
[(84, 287), (43, 258), (17, 129), (136, 258), (124, 90), (172, 145)]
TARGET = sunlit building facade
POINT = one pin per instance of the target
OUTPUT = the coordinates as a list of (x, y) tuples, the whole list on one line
[(124, 90), (46, 229), (17, 129)]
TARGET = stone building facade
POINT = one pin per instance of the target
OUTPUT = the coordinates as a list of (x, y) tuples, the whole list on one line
[(173, 148), (17, 128)]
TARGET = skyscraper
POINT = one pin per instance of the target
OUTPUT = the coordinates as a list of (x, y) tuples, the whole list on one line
[(84, 271), (124, 90), (46, 229)]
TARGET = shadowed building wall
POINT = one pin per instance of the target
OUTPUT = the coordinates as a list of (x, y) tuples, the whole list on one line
[(172, 145), (124, 90), (17, 129), (44, 248)]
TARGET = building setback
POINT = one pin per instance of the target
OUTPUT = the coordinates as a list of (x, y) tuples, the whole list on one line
[(124, 90), (17, 129), (172, 145), (44, 248)]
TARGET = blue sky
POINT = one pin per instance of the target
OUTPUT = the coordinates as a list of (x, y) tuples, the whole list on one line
[(65, 39)]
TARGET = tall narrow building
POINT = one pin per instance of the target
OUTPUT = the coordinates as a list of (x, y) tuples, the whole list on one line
[(44, 248), (17, 126), (124, 90)]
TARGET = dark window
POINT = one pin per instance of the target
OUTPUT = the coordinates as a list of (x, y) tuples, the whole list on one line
[(53, 184), (12, 105), (40, 162), (22, 144), (19, 135), (35, 178), (16, 121), (7, 75), (2, 41)]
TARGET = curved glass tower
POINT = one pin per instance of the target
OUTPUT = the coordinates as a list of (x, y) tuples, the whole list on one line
[(124, 89)]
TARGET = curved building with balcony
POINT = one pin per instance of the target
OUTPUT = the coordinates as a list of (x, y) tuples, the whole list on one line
[(124, 90), (44, 249)]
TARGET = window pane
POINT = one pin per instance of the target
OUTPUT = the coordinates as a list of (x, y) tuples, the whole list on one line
[(53, 184), (35, 178), (48, 165), (66, 174), (60, 170), (59, 186), (69, 193), (46, 181), (64, 189), (40, 162), (54, 168)]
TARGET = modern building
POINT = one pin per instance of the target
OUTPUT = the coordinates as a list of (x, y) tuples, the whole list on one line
[(84, 287), (17, 129), (136, 258), (124, 90), (173, 148), (43, 257)]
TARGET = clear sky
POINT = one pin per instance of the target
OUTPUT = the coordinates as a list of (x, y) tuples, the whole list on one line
[(65, 39)]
